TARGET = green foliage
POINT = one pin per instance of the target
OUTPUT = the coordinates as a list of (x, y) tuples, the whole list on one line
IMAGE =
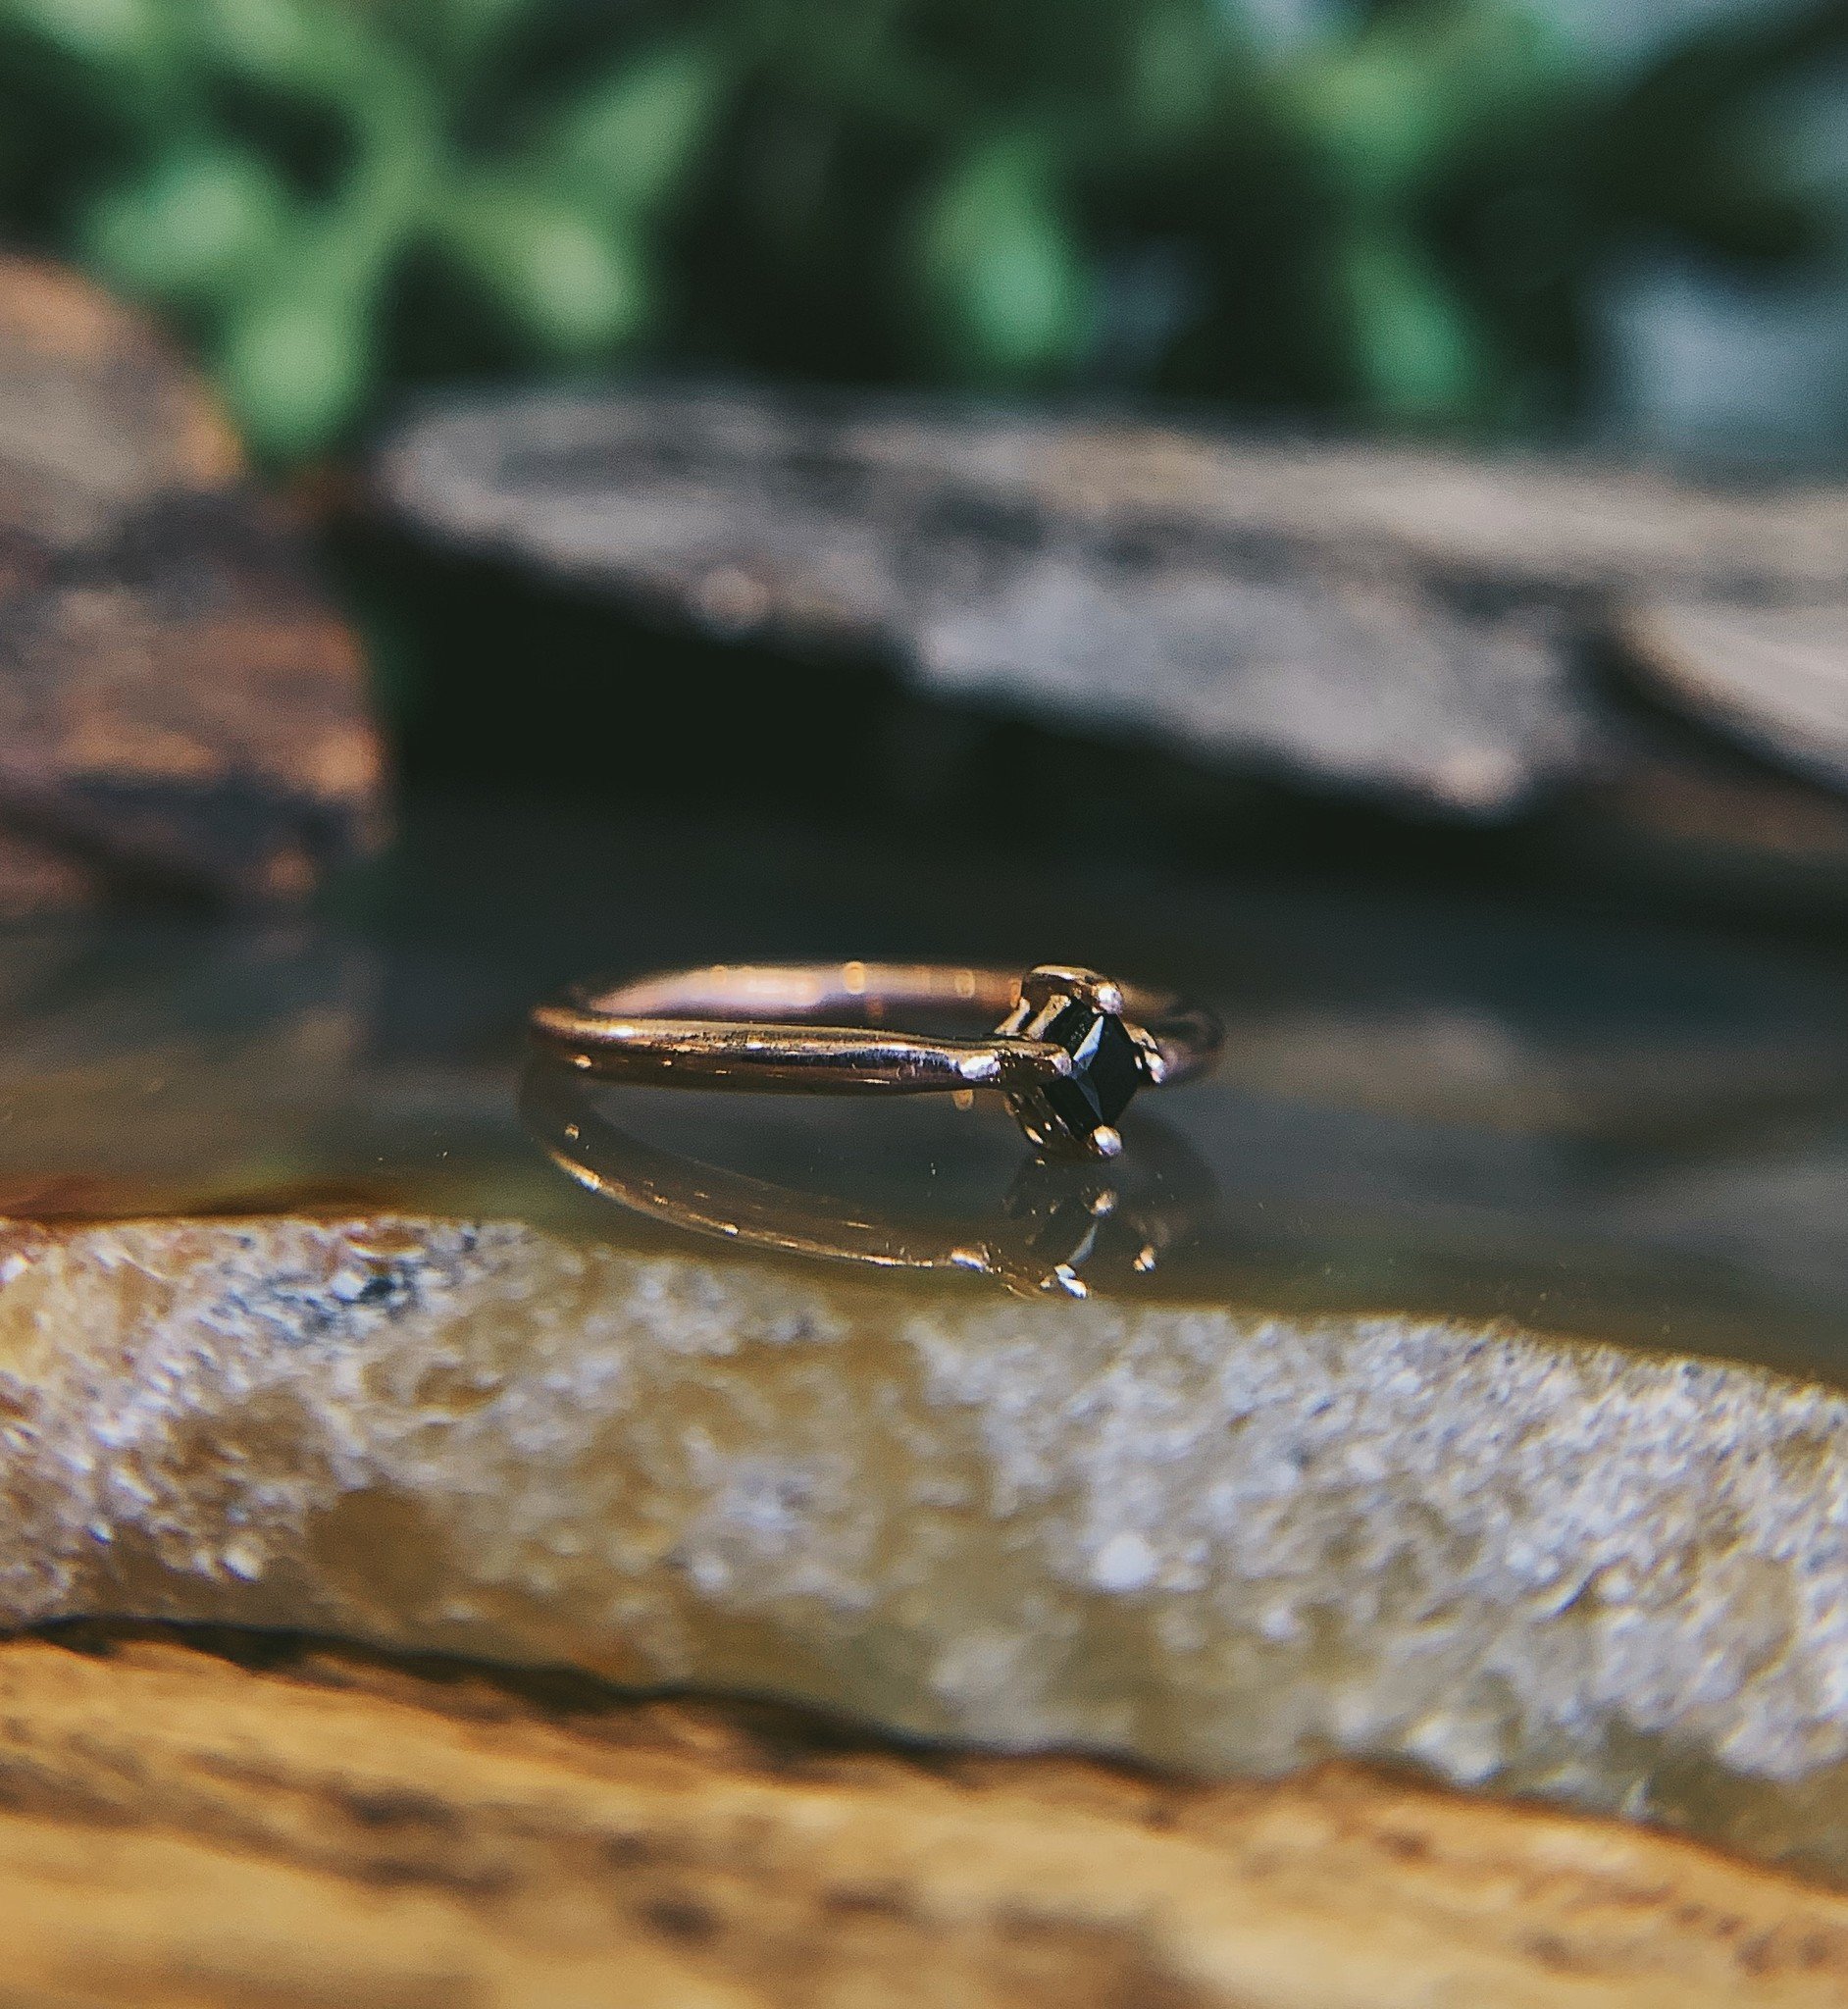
[(998, 264), (1400, 218)]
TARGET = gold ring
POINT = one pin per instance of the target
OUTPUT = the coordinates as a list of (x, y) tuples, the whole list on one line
[(1069, 1048)]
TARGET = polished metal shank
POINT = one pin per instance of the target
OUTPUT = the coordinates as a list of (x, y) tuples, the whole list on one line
[(754, 1026)]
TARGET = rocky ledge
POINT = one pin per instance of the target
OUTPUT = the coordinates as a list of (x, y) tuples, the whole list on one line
[(1212, 1539), (181, 1831), (1404, 624)]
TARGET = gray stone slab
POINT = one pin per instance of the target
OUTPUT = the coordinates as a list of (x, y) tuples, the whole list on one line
[(1396, 621)]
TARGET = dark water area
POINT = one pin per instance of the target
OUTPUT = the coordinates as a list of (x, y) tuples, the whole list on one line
[(1455, 1101)]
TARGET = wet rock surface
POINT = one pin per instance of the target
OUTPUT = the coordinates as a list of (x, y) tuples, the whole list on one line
[(181, 707)]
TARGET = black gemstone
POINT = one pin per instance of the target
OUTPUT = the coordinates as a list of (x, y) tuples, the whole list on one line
[(1106, 1074)]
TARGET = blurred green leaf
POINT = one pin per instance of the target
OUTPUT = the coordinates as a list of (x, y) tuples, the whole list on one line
[(1389, 107), (1372, 112), (278, 42), (466, 32), (131, 32), (1417, 355), (632, 138), (1000, 267), (1175, 56), (189, 228), (296, 360), (574, 281)]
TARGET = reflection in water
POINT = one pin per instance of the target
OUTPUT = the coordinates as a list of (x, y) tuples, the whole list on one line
[(1426, 1103), (1068, 1227)]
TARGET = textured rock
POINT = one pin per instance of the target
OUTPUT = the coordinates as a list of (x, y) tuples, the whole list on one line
[(1205, 1539), (1396, 621), (178, 1830), (178, 704)]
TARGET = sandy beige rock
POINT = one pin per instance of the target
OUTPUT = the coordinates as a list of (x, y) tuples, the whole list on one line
[(1205, 1538), (183, 1831)]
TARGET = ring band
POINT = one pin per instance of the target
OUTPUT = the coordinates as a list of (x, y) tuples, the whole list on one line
[(1071, 1228), (1069, 1049)]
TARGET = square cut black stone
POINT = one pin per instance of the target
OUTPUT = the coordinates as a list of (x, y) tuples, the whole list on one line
[(1106, 1074)]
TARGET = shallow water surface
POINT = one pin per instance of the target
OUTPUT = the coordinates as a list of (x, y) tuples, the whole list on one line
[(1431, 1102)]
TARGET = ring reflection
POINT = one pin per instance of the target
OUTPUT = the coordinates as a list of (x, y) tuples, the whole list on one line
[(1064, 1227)]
